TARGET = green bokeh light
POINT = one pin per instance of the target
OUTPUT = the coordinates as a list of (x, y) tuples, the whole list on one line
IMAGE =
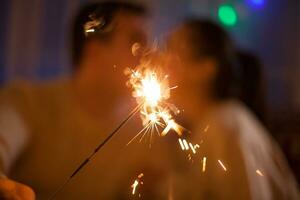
[(227, 15)]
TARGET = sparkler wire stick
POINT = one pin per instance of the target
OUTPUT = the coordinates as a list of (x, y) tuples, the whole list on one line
[(91, 156)]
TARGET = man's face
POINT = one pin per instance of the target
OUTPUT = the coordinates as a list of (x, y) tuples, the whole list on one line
[(129, 30), (115, 54)]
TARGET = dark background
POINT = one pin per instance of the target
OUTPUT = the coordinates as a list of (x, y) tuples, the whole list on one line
[(34, 46)]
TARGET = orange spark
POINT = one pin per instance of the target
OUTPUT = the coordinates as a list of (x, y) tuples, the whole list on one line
[(181, 144), (222, 165), (259, 172), (203, 164), (134, 185)]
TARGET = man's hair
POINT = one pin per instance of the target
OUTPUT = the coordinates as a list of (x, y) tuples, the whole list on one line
[(95, 21)]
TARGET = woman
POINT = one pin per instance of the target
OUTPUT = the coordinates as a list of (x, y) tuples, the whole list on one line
[(243, 161)]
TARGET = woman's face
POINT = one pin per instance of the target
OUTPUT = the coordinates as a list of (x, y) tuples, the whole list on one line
[(193, 75)]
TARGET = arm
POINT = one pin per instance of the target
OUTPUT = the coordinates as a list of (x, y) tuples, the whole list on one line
[(13, 138)]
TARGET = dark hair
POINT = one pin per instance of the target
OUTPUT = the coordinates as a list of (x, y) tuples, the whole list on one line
[(252, 91), (207, 39), (95, 20), (239, 74)]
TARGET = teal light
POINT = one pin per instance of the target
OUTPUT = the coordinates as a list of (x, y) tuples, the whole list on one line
[(227, 15)]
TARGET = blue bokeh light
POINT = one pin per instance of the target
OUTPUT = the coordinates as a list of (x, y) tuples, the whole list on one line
[(257, 3)]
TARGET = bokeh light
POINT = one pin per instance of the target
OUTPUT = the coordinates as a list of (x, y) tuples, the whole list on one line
[(227, 15), (257, 3)]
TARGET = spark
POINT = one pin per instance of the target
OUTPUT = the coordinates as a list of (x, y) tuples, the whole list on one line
[(204, 164), (134, 185), (190, 157), (151, 89), (222, 165), (185, 144), (188, 145), (259, 172), (140, 175), (181, 144), (192, 148), (206, 128)]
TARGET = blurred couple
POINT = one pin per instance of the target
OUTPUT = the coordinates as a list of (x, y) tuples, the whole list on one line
[(47, 130)]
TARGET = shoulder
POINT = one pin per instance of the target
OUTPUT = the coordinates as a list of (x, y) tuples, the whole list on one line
[(30, 98), (16, 92), (27, 91)]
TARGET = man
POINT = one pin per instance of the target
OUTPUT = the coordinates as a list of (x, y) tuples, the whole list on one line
[(46, 131)]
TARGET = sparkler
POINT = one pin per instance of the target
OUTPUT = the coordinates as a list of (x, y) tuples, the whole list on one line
[(151, 88), (151, 91), (92, 155)]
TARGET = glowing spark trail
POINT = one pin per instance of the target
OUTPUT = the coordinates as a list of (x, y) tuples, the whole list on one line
[(222, 165), (204, 164), (206, 128), (259, 172), (181, 144), (186, 146), (136, 183), (192, 148)]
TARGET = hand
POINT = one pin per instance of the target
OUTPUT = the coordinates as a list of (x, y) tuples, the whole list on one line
[(11, 190)]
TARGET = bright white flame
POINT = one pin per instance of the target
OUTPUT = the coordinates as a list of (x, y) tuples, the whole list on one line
[(151, 90), (188, 145), (152, 117)]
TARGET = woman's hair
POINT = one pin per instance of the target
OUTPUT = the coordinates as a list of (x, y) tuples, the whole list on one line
[(235, 78), (252, 91), (208, 40)]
